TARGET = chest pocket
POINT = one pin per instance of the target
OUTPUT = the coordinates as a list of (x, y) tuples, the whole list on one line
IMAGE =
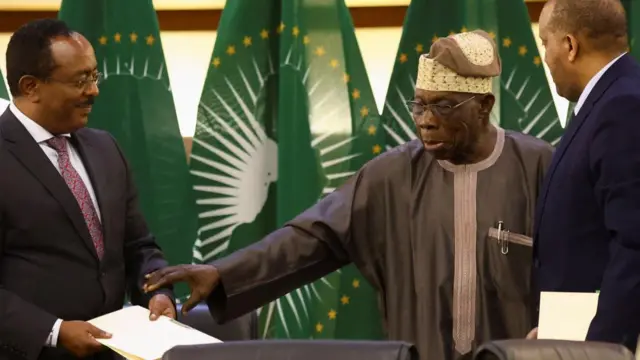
[(509, 257)]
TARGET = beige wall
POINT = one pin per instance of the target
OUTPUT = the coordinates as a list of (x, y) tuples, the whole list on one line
[(188, 56), (178, 4)]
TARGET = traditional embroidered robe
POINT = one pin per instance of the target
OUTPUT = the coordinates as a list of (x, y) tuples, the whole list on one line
[(425, 234)]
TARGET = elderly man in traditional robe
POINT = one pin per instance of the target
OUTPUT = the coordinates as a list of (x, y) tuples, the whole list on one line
[(440, 225)]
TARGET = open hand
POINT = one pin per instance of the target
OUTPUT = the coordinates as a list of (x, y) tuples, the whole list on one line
[(202, 279), (79, 337), (161, 304)]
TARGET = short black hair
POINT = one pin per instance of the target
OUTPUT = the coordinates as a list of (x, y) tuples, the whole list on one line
[(602, 22), (29, 50)]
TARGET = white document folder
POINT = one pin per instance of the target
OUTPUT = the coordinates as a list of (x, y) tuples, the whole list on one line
[(566, 315), (136, 337)]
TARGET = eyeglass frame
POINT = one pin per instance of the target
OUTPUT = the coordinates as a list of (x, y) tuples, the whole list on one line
[(412, 103), (83, 84)]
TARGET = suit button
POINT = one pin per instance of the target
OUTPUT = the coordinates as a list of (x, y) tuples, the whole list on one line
[(536, 263)]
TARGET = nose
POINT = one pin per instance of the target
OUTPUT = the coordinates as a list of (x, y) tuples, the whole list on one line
[(91, 89), (427, 121)]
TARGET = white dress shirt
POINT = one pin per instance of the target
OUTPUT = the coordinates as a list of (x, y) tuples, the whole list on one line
[(40, 135), (592, 83)]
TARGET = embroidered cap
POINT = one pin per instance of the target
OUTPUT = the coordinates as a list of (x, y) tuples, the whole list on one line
[(465, 62)]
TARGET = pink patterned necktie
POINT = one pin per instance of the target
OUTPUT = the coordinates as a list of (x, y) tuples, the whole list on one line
[(79, 190)]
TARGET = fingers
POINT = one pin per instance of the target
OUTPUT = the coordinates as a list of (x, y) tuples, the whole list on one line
[(191, 302), (170, 313), (97, 333), (163, 277), (92, 343), (154, 314), (158, 305)]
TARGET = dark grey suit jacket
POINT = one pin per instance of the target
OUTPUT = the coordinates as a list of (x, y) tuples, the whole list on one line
[(49, 267)]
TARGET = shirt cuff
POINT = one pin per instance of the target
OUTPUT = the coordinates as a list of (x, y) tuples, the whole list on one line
[(52, 340)]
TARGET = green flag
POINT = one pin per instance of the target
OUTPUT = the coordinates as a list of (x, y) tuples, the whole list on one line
[(136, 106), (523, 99), (4, 93), (5, 99), (570, 108), (632, 8), (286, 116)]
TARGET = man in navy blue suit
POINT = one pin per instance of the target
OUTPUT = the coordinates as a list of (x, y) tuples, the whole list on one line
[(587, 232)]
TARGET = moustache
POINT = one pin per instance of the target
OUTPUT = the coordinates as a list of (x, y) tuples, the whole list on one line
[(87, 102)]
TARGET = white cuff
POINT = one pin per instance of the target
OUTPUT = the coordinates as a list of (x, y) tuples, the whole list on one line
[(52, 341)]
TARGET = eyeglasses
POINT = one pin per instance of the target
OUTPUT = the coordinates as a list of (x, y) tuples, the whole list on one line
[(418, 109), (82, 84)]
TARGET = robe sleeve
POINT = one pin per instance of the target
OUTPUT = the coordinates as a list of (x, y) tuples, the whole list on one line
[(615, 162), (315, 243)]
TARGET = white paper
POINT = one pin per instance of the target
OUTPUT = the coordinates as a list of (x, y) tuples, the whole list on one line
[(566, 315), (134, 336)]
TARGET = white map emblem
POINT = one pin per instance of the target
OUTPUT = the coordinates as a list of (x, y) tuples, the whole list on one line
[(240, 160), (241, 180)]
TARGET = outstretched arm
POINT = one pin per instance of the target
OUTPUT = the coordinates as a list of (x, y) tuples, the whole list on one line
[(314, 244), (307, 248)]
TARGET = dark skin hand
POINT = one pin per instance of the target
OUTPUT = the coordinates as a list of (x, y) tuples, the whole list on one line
[(79, 338), (161, 305), (202, 280)]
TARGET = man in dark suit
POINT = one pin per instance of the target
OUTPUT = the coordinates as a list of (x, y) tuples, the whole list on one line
[(72, 238), (587, 232)]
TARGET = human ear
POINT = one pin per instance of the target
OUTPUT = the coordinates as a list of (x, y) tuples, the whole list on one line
[(486, 105), (30, 87), (572, 47)]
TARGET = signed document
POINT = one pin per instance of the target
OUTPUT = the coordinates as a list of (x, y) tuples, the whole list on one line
[(566, 315), (135, 337)]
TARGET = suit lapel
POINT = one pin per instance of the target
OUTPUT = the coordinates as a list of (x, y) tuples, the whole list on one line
[(573, 127), (91, 158), (619, 68), (20, 143)]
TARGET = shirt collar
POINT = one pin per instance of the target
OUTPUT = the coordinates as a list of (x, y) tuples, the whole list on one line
[(592, 83), (38, 133)]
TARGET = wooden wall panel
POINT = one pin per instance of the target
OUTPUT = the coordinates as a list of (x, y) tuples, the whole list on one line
[(202, 20)]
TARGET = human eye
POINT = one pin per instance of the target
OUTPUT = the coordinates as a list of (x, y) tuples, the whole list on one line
[(415, 107), (442, 109), (80, 83)]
